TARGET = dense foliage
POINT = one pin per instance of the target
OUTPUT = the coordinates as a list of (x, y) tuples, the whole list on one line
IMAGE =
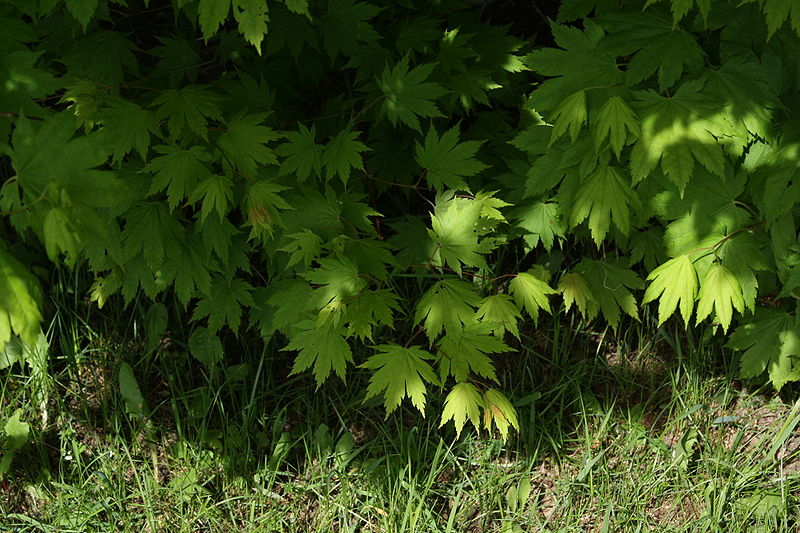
[(402, 185)]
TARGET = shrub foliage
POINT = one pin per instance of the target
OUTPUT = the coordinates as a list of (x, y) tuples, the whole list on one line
[(404, 186)]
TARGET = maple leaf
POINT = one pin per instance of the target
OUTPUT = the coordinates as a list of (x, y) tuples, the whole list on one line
[(371, 309), (126, 127), (466, 351), (676, 131), (21, 302), (82, 10), (408, 95), (531, 293), (770, 341), (402, 372), (24, 82), (617, 121), (263, 207), (245, 140), (178, 170), (342, 154), (541, 222), (604, 196), (292, 302), (190, 106), (302, 154), (206, 347), (648, 246), (499, 311), (569, 116), (216, 192), (324, 348), (338, 279), (706, 212), (212, 13), (778, 11), (82, 59), (610, 286), (646, 36), (304, 246), (673, 282), (149, 228), (448, 303), (579, 65), (453, 229), (223, 303), (345, 25), (252, 18), (575, 290), (462, 402), (500, 411), (720, 292), (447, 160), (60, 236)]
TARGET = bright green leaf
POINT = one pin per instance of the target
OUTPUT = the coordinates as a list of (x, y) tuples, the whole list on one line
[(463, 402), (447, 160), (401, 372), (673, 282), (531, 293)]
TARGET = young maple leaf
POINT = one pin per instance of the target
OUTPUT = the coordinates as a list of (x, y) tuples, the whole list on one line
[(177, 170), (574, 289), (244, 143), (604, 196), (500, 312), (325, 348), (446, 160), (541, 222), (449, 304), (342, 154), (719, 291), (617, 121), (499, 410), (223, 303), (454, 230), (303, 156), (190, 106), (770, 342), (462, 403), (531, 293), (676, 131), (467, 351), (21, 301), (646, 36), (610, 287), (674, 281), (402, 372), (408, 95)]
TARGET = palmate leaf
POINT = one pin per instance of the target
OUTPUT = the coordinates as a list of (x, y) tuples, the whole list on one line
[(647, 36), (338, 278), (678, 130), (672, 283), (401, 373), (449, 304), (541, 221), (244, 143), (604, 196), (324, 348), (126, 127), (177, 170), (466, 351), (610, 286), (223, 303), (345, 25), (500, 312), (303, 156), (770, 341), (454, 231), (779, 11), (343, 154), (574, 289), (408, 95), (252, 18), (500, 411), (569, 116), (446, 160), (531, 293), (21, 301), (617, 122), (370, 309), (216, 192), (212, 13), (82, 10), (463, 403), (151, 229), (189, 107), (720, 292)]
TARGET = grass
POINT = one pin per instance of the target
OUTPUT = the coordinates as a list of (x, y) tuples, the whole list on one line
[(646, 430)]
